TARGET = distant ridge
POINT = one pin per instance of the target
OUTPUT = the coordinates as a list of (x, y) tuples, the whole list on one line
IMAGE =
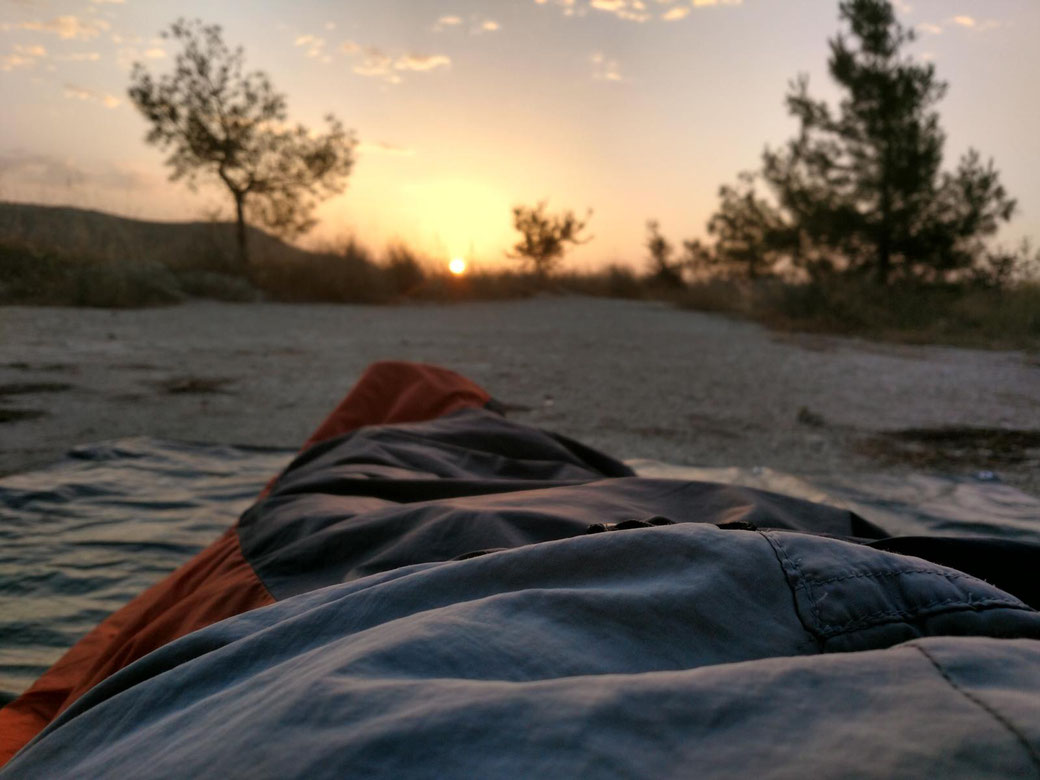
[(96, 234)]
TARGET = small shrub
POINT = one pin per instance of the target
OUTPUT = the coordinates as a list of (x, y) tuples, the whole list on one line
[(217, 286), (37, 277), (403, 271), (720, 295), (345, 275)]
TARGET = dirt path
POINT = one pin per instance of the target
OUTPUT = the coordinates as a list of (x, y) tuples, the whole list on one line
[(635, 379)]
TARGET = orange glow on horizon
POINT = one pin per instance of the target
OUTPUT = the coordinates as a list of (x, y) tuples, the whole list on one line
[(457, 266)]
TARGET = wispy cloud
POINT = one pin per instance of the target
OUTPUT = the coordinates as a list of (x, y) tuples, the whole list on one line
[(128, 55), (477, 24), (22, 57), (46, 170), (636, 10), (446, 22), (962, 21), (79, 56), (376, 63), (570, 7), (91, 95), (604, 68), (42, 169), (381, 147), (68, 27), (421, 62), (314, 47), (630, 10)]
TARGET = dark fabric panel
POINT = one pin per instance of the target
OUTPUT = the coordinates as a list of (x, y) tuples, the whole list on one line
[(1011, 566), (391, 496)]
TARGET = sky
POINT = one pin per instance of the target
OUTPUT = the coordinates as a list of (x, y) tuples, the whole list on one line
[(635, 109)]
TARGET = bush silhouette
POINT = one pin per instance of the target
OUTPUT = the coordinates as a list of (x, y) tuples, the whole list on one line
[(545, 237)]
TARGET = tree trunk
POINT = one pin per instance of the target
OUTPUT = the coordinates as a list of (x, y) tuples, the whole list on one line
[(240, 233), (884, 256)]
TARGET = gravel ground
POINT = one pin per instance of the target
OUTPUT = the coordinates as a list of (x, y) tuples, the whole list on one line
[(632, 378)]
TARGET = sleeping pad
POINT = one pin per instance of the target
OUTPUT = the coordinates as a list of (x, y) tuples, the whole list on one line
[(433, 590)]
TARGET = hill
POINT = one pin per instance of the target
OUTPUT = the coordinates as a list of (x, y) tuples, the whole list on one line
[(76, 232)]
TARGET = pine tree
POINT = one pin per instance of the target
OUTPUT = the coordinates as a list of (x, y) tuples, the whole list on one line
[(860, 188)]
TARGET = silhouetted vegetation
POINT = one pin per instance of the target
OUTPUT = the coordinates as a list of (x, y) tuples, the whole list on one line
[(31, 275), (860, 191), (663, 270), (545, 238), (956, 314), (133, 263), (227, 125)]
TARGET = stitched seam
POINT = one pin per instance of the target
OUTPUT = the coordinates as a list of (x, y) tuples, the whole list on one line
[(881, 574), (1034, 756), (781, 556), (864, 621)]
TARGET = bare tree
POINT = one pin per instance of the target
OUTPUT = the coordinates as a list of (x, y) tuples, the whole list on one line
[(545, 237), (227, 125)]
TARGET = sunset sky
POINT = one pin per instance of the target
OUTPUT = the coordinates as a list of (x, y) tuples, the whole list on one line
[(636, 109)]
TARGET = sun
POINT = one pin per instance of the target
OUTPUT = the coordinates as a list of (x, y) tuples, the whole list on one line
[(457, 266)]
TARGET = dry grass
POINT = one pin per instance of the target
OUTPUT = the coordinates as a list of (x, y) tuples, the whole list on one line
[(108, 261), (29, 275), (958, 315)]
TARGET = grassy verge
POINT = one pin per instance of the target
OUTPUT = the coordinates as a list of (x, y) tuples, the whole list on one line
[(44, 277), (971, 316), (957, 315)]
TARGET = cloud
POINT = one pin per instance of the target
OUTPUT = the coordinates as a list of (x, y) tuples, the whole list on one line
[(605, 69), (67, 27), (128, 55), (22, 57), (376, 63), (83, 93), (963, 21), (46, 170), (40, 169), (422, 62), (570, 7), (315, 47), (381, 147), (477, 25), (634, 10), (79, 56), (447, 21), (630, 10)]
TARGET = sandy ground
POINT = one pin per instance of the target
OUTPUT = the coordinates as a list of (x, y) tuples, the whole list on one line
[(634, 379)]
